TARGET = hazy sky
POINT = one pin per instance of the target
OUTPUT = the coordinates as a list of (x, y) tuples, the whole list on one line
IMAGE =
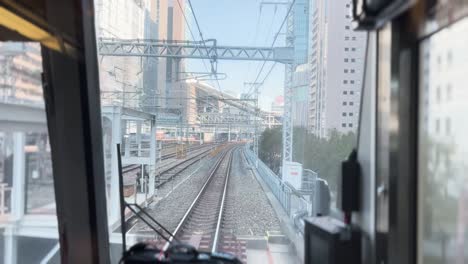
[(241, 23)]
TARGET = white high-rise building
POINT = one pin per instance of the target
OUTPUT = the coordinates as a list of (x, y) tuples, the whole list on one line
[(336, 55), (124, 19), (301, 87)]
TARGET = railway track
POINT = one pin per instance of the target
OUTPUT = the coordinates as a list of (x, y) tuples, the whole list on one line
[(192, 148), (164, 176), (201, 225), (168, 173)]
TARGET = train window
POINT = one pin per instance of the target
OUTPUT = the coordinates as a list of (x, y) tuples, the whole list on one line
[(443, 185), (185, 117), (28, 222)]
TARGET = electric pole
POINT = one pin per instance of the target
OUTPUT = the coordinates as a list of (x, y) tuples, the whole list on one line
[(255, 85)]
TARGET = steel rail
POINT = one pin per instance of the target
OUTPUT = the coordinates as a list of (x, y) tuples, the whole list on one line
[(197, 198), (221, 209)]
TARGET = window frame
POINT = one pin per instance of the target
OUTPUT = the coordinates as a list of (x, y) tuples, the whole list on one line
[(72, 103)]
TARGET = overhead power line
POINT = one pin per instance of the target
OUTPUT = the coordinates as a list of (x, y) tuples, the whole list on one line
[(190, 30), (273, 43), (212, 62)]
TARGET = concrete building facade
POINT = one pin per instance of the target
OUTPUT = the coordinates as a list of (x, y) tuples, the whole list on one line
[(337, 58), (20, 73), (301, 95), (300, 80), (122, 78)]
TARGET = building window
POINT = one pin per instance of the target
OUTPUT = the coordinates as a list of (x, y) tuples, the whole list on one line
[(350, 125), (343, 114), (438, 96), (347, 5), (354, 38), (449, 91), (449, 58), (351, 103), (343, 125), (346, 27), (448, 125), (353, 49), (345, 70), (346, 38), (352, 70), (353, 60), (345, 60), (345, 81), (345, 92), (346, 49), (352, 81), (351, 92), (351, 114), (347, 16), (345, 103)]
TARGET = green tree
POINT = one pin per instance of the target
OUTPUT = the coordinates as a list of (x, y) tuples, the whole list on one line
[(322, 155), (270, 148)]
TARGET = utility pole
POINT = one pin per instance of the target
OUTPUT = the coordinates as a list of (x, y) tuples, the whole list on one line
[(255, 85), (288, 79)]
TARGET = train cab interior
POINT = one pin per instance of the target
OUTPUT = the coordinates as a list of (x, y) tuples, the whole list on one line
[(83, 180)]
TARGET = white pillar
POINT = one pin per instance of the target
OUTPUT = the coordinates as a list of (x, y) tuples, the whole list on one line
[(18, 191), (10, 245), (138, 138), (114, 203), (123, 131), (152, 166)]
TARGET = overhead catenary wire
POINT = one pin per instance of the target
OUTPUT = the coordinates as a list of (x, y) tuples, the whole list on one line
[(202, 40), (254, 41), (190, 30), (266, 39), (212, 61), (273, 43)]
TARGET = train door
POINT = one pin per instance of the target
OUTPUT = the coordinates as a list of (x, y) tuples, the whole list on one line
[(421, 213)]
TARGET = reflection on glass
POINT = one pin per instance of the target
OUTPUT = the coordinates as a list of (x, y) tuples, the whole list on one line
[(385, 126), (28, 223), (443, 144)]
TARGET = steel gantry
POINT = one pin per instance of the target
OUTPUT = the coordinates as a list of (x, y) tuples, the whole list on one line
[(225, 119), (191, 50), (208, 49)]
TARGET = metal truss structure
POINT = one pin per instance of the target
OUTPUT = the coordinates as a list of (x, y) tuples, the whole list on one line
[(210, 50), (191, 50), (288, 80), (219, 119), (211, 119), (288, 93)]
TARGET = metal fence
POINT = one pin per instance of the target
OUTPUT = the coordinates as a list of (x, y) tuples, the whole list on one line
[(294, 204)]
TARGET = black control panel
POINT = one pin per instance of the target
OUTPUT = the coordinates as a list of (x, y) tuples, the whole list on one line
[(330, 241)]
